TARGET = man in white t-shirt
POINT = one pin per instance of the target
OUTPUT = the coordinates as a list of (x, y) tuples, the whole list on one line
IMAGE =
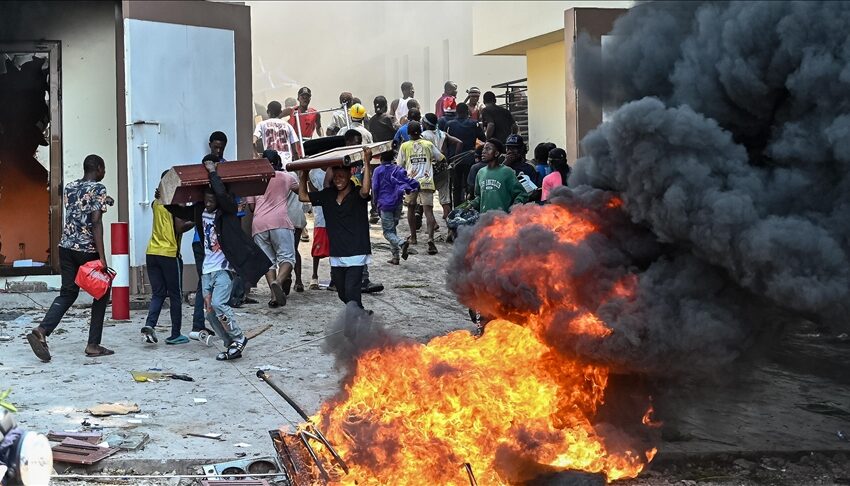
[(276, 134)]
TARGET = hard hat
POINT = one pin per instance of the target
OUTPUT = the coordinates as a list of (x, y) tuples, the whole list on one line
[(357, 111)]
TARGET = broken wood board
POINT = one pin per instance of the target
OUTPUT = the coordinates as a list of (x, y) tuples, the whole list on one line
[(73, 451), (90, 437)]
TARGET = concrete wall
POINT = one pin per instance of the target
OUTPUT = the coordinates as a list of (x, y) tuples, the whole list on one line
[(546, 97), (368, 48), (87, 34)]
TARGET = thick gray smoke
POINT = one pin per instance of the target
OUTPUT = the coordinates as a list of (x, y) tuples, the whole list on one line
[(731, 152)]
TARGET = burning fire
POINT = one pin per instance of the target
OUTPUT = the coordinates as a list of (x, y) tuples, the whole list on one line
[(506, 403)]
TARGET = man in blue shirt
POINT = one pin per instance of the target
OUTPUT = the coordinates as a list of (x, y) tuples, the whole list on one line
[(468, 131), (401, 135)]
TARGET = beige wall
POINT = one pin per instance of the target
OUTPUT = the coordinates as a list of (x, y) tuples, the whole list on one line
[(369, 48), (87, 34), (511, 27), (546, 98)]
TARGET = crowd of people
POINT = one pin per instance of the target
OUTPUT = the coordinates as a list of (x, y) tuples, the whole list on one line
[(468, 157)]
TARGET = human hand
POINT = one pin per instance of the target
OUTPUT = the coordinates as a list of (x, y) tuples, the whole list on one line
[(156, 193), (210, 166), (103, 265), (109, 201)]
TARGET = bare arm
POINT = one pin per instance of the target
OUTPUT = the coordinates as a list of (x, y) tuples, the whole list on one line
[(491, 127), (303, 196), (457, 143), (366, 187), (258, 145), (319, 124), (97, 228)]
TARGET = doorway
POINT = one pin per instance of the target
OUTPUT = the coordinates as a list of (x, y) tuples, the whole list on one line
[(30, 158)]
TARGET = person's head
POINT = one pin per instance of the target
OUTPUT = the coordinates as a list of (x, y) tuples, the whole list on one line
[(414, 129), (274, 109), (558, 162), (462, 110), (341, 176), (304, 97), (357, 112), (407, 90), (345, 98), (489, 98), (474, 95), (492, 150), (210, 202), (449, 105), (94, 167), (450, 88), (515, 148), (414, 114), (274, 158), (290, 102), (411, 104), (380, 104), (541, 152), (218, 142), (356, 101), (353, 137), (429, 122)]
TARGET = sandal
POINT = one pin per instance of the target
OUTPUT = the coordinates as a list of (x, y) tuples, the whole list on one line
[(278, 294), (234, 351), (287, 285), (101, 351), (38, 343), (405, 248)]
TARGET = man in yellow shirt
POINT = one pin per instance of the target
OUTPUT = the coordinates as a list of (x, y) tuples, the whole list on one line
[(417, 156), (165, 272)]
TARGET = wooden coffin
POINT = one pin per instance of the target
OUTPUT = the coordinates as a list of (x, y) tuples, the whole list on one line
[(186, 183), (345, 156)]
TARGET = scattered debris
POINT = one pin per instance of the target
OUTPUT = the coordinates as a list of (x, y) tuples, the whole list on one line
[(90, 437), (237, 482), (242, 445), (208, 435), (128, 441), (270, 368), (75, 451), (260, 465), (5, 339), (252, 333), (107, 409), (200, 400), (158, 375)]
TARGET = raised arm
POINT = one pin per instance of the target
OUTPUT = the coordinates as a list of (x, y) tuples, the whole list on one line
[(303, 196), (366, 187), (225, 200)]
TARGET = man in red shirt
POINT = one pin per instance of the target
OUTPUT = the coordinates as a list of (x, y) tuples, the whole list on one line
[(310, 120), (449, 91)]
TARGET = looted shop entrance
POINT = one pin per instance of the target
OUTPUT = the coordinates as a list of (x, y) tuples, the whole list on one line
[(30, 158)]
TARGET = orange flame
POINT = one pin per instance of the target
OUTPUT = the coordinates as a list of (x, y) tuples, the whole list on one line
[(415, 413)]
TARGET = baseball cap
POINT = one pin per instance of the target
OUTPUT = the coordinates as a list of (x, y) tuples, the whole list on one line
[(514, 140), (557, 154), (450, 104), (305, 90), (357, 111)]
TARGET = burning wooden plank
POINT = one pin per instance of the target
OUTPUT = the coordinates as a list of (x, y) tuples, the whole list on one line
[(185, 183)]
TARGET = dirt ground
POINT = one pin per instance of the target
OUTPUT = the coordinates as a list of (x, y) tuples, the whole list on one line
[(778, 425)]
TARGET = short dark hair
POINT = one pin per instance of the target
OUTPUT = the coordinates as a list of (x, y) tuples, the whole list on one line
[(414, 126), (489, 97), (411, 103), (541, 151), (414, 114), (447, 84), (345, 97), (209, 191), (497, 143), (356, 101), (218, 137), (211, 158), (274, 108), (406, 85), (274, 158), (380, 100), (462, 110), (351, 134), (92, 163)]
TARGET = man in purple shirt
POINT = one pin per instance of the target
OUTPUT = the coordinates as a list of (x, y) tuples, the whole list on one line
[(389, 183)]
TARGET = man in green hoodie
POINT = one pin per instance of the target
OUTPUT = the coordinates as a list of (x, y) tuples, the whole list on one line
[(496, 186)]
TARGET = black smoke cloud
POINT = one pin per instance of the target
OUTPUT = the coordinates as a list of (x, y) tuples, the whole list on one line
[(730, 153)]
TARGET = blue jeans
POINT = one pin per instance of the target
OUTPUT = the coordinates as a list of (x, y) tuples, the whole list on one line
[(389, 222), (217, 286)]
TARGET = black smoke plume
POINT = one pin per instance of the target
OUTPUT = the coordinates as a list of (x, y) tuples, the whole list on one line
[(730, 150)]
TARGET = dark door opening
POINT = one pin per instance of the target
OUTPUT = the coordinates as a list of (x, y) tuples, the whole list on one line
[(30, 158)]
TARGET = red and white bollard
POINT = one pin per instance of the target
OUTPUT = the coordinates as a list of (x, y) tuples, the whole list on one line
[(121, 265)]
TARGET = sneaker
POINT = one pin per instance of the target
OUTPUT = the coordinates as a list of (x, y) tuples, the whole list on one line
[(150, 335), (371, 288), (305, 236), (374, 219), (405, 248), (181, 339), (432, 248), (234, 351), (314, 284), (331, 287)]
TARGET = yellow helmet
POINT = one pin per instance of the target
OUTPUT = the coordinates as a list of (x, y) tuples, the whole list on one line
[(357, 112)]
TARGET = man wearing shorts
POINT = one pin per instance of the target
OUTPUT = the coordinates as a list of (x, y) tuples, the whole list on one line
[(272, 229), (417, 156)]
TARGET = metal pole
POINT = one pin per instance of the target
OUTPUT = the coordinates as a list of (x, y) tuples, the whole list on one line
[(298, 125), (263, 376)]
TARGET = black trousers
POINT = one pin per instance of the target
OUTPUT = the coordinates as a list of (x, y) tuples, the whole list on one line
[(348, 282), (166, 277), (70, 262), (198, 318)]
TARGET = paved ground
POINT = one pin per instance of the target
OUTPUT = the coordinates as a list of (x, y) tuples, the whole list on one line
[(792, 402)]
